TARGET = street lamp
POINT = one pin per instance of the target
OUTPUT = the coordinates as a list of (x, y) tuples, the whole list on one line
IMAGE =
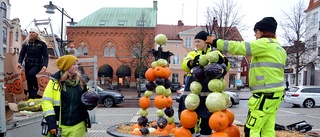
[(50, 10)]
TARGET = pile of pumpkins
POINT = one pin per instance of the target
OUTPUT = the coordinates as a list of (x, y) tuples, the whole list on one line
[(159, 83)]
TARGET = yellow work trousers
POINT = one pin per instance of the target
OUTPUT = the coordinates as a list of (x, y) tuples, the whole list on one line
[(262, 114), (78, 130)]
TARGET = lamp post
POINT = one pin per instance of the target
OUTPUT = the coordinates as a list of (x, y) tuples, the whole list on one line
[(50, 10)]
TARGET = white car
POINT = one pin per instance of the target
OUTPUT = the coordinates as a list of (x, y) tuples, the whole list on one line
[(306, 96)]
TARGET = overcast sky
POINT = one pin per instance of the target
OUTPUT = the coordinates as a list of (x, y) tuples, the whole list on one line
[(191, 12)]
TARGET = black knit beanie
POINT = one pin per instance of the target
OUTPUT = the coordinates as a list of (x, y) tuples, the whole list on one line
[(266, 24), (202, 35)]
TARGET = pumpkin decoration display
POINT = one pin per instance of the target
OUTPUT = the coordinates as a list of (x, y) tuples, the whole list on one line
[(213, 66), (159, 83)]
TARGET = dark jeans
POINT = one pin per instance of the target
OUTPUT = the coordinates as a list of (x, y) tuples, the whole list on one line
[(32, 81)]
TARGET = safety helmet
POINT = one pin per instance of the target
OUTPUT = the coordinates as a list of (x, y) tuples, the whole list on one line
[(90, 99)]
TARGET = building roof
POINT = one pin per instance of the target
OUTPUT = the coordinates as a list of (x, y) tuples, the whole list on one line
[(120, 17), (312, 5), (172, 31)]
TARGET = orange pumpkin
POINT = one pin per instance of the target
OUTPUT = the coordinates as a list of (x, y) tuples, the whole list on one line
[(144, 102), (136, 126), (161, 132), (43, 82), (173, 130), (182, 132), (17, 86), (160, 101), (232, 131), (169, 127), (188, 118), (170, 101), (150, 75), (218, 121), (160, 71), (219, 134), (230, 115), (9, 87), (168, 72), (136, 132)]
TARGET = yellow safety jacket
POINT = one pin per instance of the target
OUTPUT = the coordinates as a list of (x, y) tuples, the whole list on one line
[(267, 65), (191, 55), (51, 98)]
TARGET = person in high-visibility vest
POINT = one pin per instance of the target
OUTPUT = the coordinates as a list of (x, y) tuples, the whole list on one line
[(266, 75)]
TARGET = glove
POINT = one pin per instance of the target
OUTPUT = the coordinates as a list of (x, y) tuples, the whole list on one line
[(211, 40), (195, 61)]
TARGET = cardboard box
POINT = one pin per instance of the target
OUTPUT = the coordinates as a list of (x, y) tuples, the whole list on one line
[(9, 112)]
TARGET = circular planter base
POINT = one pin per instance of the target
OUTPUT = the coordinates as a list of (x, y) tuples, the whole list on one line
[(112, 130)]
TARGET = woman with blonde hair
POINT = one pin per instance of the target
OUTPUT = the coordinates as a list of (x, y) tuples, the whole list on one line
[(63, 110), (34, 53)]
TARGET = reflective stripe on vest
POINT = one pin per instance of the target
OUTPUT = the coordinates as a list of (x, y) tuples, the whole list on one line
[(49, 112), (55, 103), (267, 86), (265, 64), (248, 49)]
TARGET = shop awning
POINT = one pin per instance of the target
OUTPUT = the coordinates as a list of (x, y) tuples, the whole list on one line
[(105, 70), (123, 71)]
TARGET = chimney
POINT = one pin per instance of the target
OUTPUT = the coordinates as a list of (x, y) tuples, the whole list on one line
[(155, 5), (180, 23)]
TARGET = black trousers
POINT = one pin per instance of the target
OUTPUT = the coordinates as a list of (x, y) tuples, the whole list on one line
[(32, 81), (202, 112)]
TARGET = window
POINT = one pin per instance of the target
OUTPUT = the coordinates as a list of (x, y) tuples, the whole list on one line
[(4, 10), (85, 50), (141, 23), (314, 42), (4, 35), (134, 52), (122, 23), (176, 60), (187, 42), (315, 19), (79, 50), (106, 51), (233, 62), (17, 35), (102, 22), (112, 52), (175, 77)]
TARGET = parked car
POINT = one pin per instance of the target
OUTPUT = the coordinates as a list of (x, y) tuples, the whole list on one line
[(143, 87), (109, 98), (239, 84), (306, 96), (235, 100), (175, 86)]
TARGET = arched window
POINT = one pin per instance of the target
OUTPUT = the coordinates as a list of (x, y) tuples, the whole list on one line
[(106, 51), (79, 50), (4, 10), (112, 52), (17, 35), (85, 50), (5, 35)]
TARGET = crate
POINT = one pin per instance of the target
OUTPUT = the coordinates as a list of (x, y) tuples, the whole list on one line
[(301, 127)]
